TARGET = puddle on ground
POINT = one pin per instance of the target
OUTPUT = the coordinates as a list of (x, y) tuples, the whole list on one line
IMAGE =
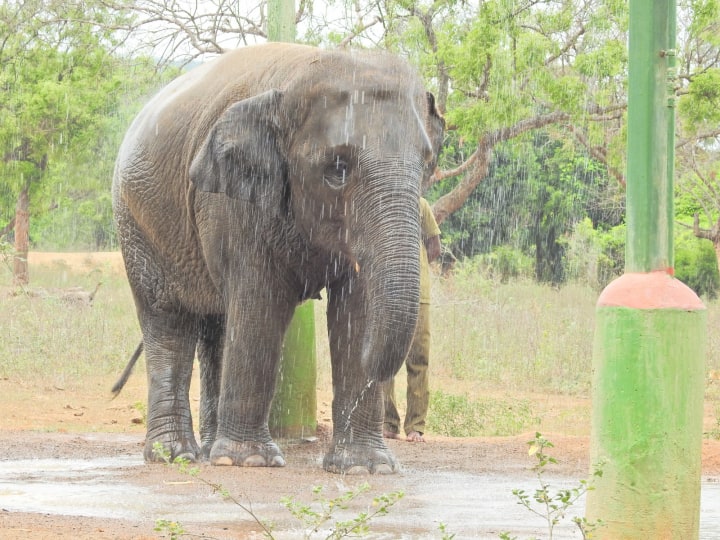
[(471, 505)]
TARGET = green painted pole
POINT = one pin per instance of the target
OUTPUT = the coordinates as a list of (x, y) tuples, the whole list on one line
[(294, 411), (281, 20), (649, 349)]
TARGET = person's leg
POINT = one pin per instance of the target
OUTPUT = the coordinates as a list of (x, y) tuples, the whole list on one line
[(418, 392), (391, 424)]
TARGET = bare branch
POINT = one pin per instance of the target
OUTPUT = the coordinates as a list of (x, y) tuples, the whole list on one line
[(712, 134), (359, 29), (570, 43)]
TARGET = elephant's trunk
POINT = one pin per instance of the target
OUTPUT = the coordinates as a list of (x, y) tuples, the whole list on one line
[(389, 259)]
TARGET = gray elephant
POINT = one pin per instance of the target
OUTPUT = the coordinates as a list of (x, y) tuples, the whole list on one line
[(245, 187)]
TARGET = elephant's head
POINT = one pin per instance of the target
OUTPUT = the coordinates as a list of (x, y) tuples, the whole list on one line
[(341, 147)]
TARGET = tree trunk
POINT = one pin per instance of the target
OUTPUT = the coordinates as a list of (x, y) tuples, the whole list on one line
[(21, 275)]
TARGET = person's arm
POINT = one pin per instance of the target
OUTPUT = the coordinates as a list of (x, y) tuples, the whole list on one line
[(432, 247)]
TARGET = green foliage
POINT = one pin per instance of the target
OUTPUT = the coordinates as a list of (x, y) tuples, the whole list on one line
[(6, 255), (594, 257), (607, 61), (68, 98), (696, 265), (702, 103), (444, 533), (141, 408), (505, 263), (317, 515), (461, 416), (552, 506), (528, 204), (173, 529)]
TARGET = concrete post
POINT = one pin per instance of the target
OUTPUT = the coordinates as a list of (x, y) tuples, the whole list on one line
[(294, 411), (649, 350)]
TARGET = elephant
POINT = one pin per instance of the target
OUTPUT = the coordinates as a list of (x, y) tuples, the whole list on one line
[(243, 188)]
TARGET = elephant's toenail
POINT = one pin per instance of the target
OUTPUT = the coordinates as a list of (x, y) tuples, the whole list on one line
[(384, 468), (223, 461), (254, 461)]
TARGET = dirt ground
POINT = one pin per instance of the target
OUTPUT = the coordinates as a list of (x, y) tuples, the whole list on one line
[(57, 423)]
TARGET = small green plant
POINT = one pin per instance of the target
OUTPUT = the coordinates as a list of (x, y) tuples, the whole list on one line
[(141, 408), (549, 505), (172, 528), (316, 515), (184, 466), (444, 534)]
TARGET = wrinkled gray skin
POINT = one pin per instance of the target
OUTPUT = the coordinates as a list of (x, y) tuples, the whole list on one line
[(245, 187)]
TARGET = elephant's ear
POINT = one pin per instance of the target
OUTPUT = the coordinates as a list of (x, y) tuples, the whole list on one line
[(240, 156)]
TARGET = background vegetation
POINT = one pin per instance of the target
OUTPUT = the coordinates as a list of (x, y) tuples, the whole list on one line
[(499, 348), (534, 91)]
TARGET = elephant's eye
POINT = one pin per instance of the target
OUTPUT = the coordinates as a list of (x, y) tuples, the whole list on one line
[(336, 173)]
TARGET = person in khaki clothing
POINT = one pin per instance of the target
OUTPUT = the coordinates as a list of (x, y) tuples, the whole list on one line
[(416, 363)]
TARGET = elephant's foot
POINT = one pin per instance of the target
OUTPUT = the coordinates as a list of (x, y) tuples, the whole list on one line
[(206, 443), (246, 453), (360, 459), (205, 449), (172, 447)]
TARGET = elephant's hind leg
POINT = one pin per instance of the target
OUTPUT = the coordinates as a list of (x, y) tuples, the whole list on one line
[(170, 341), (210, 351)]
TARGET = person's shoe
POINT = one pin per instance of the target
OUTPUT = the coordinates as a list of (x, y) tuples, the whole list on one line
[(415, 436)]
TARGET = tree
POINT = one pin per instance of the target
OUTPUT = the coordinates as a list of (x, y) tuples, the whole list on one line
[(698, 156), (500, 69), (61, 81)]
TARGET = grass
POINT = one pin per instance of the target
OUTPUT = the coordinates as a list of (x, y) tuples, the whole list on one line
[(44, 340), (497, 347), (462, 416)]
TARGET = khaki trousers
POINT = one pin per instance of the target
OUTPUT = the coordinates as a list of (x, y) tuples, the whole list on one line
[(418, 390)]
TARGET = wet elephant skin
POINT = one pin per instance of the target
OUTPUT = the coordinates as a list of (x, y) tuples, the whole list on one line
[(245, 187)]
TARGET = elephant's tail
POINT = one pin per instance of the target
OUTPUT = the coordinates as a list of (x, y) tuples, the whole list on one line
[(118, 386)]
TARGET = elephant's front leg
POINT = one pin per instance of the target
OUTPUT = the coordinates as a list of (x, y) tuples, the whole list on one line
[(357, 446), (253, 341)]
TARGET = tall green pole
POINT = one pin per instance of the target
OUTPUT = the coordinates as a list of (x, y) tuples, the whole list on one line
[(649, 349), (293, 414), (281, 20)]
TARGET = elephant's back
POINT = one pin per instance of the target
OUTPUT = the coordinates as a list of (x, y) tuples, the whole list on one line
[(175, 122)]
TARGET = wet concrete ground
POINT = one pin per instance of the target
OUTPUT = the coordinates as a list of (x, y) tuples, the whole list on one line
[(472, 505)]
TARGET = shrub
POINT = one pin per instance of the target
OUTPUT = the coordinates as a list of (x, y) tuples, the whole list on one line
[(696, 264)]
